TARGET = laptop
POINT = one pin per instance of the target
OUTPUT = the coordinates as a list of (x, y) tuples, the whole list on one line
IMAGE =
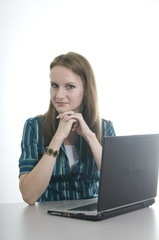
[(128, 179)]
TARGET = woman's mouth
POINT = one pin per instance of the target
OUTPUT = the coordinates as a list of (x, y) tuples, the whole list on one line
[(61, 104)]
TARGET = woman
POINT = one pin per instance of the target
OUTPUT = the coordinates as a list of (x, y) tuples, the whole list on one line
[(61, 150)]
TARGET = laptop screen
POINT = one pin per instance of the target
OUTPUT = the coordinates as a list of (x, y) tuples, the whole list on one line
[(129, 171)]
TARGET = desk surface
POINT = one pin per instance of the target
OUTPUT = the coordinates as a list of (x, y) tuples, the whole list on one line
[(23, 222)]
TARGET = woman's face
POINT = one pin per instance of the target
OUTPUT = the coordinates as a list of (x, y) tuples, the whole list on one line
[(66, 90)]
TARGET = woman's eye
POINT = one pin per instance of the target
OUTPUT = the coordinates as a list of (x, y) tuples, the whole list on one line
[(70, 86), (54, 85)]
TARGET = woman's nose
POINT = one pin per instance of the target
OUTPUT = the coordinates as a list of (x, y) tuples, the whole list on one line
[(60, 93)]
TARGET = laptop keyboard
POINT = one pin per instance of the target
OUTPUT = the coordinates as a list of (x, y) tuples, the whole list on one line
[(89, 207)]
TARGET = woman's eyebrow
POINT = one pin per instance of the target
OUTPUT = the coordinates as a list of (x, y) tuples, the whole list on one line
[(71, 83), (52, 81), (66, 83)]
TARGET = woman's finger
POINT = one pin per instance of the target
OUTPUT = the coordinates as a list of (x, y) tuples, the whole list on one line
[(74, 126), (62, 115)]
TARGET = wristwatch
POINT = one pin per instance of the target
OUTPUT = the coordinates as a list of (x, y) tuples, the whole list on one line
[(50, 151)]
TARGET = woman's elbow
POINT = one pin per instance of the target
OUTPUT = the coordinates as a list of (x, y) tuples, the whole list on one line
[(26, 194), (28, 199)]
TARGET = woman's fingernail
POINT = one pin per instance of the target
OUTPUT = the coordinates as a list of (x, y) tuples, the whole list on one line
[(58, 116)]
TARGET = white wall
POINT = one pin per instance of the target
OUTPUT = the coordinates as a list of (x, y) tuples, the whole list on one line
[(119, 38)]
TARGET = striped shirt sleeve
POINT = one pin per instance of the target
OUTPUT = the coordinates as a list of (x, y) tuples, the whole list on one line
[(29, 155), (108, 129)]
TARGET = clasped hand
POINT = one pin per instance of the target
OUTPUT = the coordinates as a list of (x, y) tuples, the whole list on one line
[(72, 121)]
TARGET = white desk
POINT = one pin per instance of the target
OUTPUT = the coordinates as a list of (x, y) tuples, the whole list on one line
[(22, 222)]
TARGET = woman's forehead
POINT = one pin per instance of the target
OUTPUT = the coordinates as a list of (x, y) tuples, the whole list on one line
[(61, 73)]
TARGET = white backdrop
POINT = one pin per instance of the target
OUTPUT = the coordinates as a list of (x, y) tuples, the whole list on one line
[(119, 38)]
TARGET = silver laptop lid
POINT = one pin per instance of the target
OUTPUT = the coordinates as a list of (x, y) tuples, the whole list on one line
[(129, 171)]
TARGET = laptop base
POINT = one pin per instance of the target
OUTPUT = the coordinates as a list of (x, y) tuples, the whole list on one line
[(103, 215)]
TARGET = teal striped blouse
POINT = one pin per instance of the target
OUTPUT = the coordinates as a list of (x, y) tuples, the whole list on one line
[(79, 182)]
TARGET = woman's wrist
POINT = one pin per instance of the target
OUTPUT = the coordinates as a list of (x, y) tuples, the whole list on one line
[(90, 136), (56, 141)]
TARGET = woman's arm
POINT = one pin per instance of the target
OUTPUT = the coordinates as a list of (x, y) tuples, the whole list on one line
[(95, 147), (33, 184)]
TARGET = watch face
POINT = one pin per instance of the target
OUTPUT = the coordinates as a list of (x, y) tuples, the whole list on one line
[(50, 151)]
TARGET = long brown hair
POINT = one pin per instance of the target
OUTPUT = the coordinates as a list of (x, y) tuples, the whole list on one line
[(80, 66)]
